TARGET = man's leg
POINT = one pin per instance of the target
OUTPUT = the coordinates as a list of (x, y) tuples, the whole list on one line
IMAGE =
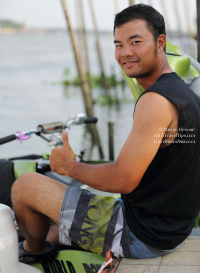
[(36, 200), (53, 236)]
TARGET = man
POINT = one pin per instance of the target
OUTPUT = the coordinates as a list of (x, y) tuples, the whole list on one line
[(157, 171)]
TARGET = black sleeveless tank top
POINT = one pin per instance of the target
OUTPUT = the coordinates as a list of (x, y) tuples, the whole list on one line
[(161, 211)]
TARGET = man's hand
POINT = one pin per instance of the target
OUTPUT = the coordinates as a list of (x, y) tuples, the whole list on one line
[(60, 156)]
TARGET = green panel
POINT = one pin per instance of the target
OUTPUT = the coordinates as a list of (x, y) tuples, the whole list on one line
[(178, 63), (193, 71), (45, 156), (181, 65), (74, 261), (197, 221), (134, 86), (172, 49), (21, 167)]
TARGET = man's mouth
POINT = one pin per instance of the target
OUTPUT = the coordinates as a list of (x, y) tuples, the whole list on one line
[(129, 63)]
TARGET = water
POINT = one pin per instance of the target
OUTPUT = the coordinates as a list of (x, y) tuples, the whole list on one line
[(29, 64)]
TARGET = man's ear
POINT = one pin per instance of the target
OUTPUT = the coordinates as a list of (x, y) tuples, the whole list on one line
[(161, 42)]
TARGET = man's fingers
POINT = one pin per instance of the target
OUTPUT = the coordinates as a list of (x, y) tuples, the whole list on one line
[(65, 137), (58, 147)]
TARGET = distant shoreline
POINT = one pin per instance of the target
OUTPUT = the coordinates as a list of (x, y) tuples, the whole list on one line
[(8, 31), (62, 31), (43, 31), (34, 31)]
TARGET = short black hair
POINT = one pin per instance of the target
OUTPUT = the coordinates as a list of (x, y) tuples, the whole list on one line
[(154, 20)]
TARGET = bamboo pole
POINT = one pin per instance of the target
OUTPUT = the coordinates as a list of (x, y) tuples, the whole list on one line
[(187, 11), (131, 2), (178, 20), (187, 16), (105, 82), (79, 32), (84, 84), (111, 140), (79, 24), (164, 9), (198, 30), (83, 46), (150, 3), (116, 5)]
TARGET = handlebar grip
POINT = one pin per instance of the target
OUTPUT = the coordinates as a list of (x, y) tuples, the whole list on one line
[(91, 120), (7, 139)]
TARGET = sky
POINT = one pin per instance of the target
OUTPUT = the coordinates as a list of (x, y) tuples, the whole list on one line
[(49, 13)]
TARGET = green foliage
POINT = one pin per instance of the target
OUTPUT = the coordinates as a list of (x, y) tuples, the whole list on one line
[(197, 221), (107, 100), (10, 24), (66, 72), (129, 99), (96, 80)]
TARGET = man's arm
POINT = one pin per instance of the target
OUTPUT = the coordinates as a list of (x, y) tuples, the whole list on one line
[(152, 113)]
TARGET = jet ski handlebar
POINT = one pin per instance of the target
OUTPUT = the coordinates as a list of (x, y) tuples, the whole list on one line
[(51, 132)]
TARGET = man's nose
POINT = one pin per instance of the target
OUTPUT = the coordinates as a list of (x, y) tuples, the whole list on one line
[(127, 51)]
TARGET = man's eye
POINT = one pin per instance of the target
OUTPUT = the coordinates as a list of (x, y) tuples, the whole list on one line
[(135, 42), (117, 45)]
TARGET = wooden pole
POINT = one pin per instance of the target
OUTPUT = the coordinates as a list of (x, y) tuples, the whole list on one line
[(178, 20), (187, 13), (187, 16), (116, 5), (198, 30), (131, 2), (105, 82), (166, 17), (84, 84), (83, 46), (79, 25), (110, 140), (79, 32)]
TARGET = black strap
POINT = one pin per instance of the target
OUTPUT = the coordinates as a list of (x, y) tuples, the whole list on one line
[(6, 181)]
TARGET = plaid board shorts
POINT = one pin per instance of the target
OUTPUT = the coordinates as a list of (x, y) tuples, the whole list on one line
[(97, 223)]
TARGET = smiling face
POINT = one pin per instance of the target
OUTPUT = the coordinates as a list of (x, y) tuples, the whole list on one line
[(135, 49)]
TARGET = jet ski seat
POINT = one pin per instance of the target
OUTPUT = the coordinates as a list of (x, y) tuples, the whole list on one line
[(195, 86)]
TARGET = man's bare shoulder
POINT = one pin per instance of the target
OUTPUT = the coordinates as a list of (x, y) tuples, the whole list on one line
[(151, 99), (153, 105)]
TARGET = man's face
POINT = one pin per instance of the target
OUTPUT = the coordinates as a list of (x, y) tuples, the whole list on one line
[(135, 49)]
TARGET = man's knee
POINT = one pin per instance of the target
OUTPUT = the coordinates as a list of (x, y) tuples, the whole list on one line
[(21, 187)]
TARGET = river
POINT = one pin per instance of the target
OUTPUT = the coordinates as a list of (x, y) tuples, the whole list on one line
[(31, 69)]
